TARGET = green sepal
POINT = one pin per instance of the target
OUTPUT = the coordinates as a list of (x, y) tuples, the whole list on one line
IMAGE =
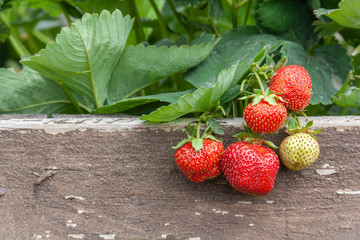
[(181, 143), (258, 99), (241, 135), (213, 138), (271, 144), (270, 100), (197, 143), (215, 126), (309, 124)]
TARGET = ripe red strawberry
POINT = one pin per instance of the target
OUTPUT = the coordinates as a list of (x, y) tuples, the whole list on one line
[(203, 164), (199, 157), (250, 168), (294, 84), (265, 117)]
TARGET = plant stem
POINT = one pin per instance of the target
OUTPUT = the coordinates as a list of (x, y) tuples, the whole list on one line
[(260, 83), (139, 31), (247, 12), (161, 21), (18, 46), (71, 97), (346, 84), (176, 14), (66, 15), (217, 34), (198, 129), (344, 111), (234, 14)]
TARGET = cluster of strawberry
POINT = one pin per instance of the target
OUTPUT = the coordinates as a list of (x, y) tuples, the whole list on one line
[(249, 166)]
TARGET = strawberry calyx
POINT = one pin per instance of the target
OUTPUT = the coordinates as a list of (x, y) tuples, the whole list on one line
[(263, 73), (254, 138), (267, 96), (293, 126), (197, 140)]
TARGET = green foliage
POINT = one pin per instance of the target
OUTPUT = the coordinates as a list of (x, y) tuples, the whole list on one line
[(202, 100), (346, 15), (29, 92), (351, 98), (174, 58)]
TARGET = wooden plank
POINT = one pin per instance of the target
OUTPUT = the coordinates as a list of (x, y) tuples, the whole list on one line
[(115, 178)]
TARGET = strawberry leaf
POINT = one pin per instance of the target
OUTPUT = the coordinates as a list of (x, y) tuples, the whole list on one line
[(85, 54), (126, 104), (347, 15), (202, 100), (29, 92), (244, 45), (350, 98)]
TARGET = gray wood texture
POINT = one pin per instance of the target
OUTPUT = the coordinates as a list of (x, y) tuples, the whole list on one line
[(115, 178)]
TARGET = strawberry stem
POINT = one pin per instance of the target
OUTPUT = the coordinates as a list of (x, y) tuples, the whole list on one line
[(260, 83), (198, 129)]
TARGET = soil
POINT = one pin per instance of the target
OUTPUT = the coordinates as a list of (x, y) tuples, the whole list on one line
[(125, 185)]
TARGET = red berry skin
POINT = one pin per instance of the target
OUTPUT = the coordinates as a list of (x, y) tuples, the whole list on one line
[(294, 84), (250, 168), (264, 117), (200, 165)]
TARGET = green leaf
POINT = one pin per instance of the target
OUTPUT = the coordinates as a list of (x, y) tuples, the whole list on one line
[(129, 103), (277, 15), (85, 55), (347, 15), (350, 98), (216, 9), (291, 20), (202, 100), (314, 4), (140, 66), (4, 32), (96, 6), (327, 29), (215, 126), (328, 67), (189, 2), (243, 45), (29, 92), (51, 6)]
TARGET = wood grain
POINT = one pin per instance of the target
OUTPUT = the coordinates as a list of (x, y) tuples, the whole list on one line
[(123, 184)]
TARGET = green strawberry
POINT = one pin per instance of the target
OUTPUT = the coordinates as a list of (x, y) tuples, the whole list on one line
[(301, 148), (299, 151)]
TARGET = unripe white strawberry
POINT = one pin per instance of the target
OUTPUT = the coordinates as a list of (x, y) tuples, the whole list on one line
[(299, 150)]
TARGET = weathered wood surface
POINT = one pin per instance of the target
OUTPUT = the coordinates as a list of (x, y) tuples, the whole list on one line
[(115, 178)]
